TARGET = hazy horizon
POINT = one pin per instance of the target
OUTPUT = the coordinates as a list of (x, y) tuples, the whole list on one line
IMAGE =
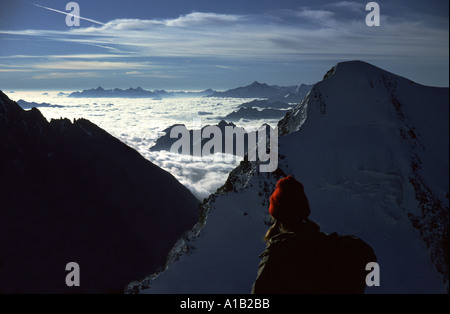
[(196, 45), (135, 86)]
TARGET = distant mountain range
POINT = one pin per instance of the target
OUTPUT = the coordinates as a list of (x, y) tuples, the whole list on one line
[(71, 192), (138, 92), (285, 94), (28, 105), (272, 93)]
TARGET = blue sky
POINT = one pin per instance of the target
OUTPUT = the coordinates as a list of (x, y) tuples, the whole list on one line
[(198, 44)]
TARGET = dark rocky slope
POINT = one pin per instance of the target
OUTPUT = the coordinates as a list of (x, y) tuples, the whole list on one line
[(71, 192)]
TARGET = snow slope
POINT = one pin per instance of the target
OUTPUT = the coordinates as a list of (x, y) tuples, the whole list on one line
[(371, 149)]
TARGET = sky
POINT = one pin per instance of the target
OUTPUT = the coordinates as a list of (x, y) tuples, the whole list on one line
[(199, 44)]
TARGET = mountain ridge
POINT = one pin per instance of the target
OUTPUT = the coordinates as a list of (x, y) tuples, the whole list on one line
[(137, 92), (71, 192), (370, 148), (274, 93)]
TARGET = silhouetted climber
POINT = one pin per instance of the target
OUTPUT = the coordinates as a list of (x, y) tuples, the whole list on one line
[(299, 258)]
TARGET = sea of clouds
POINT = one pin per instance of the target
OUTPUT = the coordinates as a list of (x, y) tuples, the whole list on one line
[(139, 122)]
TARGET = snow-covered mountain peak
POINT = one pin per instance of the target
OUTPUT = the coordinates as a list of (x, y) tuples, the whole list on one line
[(358, 70), (366, 127), (361, 94)]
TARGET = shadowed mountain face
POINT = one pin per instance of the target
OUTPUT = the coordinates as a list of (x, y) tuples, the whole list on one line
[(285, 94), (70, 192), (166, 142), (239, 138)]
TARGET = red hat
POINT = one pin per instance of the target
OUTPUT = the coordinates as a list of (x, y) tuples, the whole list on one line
[(289, 201)]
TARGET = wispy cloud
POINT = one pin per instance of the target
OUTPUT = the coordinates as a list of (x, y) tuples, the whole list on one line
[(204, 19), (309, 31), (14, 70), (226, 67), (244, 37), (155, 74), (133, 73), (315, 15), (321, 33), (70, 14), (65, 75), (349, 5), (91, 65), (95, 56)]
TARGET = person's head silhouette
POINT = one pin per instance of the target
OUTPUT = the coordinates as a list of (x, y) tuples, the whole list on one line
[(289, 201), (299, 258), (289, 207)]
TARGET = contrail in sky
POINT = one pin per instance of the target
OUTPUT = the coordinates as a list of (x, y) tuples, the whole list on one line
[(81, 18)]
